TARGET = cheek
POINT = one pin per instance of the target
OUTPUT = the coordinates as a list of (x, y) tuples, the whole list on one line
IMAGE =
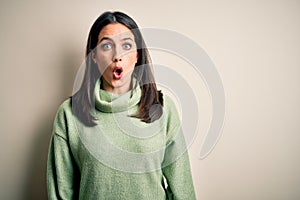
[(103, 62), (131, 60)]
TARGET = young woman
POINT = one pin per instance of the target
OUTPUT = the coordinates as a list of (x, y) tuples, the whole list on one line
[(118, 137)]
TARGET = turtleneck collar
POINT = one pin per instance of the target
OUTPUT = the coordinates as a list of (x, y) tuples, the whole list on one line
[(110, 102)]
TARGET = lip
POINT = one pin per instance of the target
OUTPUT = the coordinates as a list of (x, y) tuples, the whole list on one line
[(117, 72)]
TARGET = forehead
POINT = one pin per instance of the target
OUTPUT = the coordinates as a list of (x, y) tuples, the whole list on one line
[(117, 31)]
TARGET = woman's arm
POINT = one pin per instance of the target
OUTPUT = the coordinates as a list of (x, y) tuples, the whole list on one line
[(176, 165), (62, 170), (179, 179)]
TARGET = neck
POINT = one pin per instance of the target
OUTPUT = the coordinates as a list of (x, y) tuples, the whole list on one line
[(116, 90)]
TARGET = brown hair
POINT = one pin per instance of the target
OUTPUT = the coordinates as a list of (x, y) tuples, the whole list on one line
[(83, 99)]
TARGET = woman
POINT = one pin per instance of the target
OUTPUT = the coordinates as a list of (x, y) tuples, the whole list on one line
[(118, 137)]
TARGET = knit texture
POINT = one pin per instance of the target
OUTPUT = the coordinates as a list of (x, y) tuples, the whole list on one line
[(121, 157)]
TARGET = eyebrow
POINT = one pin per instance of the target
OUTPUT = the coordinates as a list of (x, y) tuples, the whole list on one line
[(107, 38), (128, 38)]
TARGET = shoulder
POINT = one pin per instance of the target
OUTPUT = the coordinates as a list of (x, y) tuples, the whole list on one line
[(171, 109), (172, 117), (64, 108), (169, 103), (63, 118)]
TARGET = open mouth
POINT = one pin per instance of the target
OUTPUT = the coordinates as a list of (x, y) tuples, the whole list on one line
[(117, 73)]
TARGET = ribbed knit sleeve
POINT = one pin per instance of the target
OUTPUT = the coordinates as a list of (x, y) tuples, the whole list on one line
[(176, 165), (61, 168)]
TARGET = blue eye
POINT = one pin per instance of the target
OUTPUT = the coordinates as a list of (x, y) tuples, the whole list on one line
[(127, 46), (106, 46)]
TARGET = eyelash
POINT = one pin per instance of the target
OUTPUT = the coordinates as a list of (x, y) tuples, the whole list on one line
[(126, 45), (106, 48)]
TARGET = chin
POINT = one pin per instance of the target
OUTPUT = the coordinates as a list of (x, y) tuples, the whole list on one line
[(117, 83)]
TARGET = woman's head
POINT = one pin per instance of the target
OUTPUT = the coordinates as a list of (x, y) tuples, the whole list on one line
[(115, 56), (112, 18), (116, 53)]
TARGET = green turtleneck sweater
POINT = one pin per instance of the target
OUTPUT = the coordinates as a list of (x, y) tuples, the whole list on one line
[(121, 157)]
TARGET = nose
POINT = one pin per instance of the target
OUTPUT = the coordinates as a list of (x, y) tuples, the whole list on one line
[(116, 59), (117, 55)]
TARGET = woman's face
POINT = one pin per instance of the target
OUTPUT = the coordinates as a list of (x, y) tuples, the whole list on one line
[(116, 56)]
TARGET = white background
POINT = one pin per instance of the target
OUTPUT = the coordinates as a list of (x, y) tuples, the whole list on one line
[(255, 46)]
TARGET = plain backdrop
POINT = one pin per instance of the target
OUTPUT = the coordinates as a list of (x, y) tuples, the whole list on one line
[(255, 46)]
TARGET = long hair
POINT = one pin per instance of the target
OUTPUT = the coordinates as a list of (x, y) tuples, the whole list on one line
[(83, 99)]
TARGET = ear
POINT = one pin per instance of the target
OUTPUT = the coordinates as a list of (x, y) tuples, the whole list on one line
[(93, 56), (137, 57)]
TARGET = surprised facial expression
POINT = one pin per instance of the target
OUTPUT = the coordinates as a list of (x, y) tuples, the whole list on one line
[(116, 56)]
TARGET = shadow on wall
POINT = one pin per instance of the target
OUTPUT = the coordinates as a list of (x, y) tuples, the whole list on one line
[(36, 178)]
